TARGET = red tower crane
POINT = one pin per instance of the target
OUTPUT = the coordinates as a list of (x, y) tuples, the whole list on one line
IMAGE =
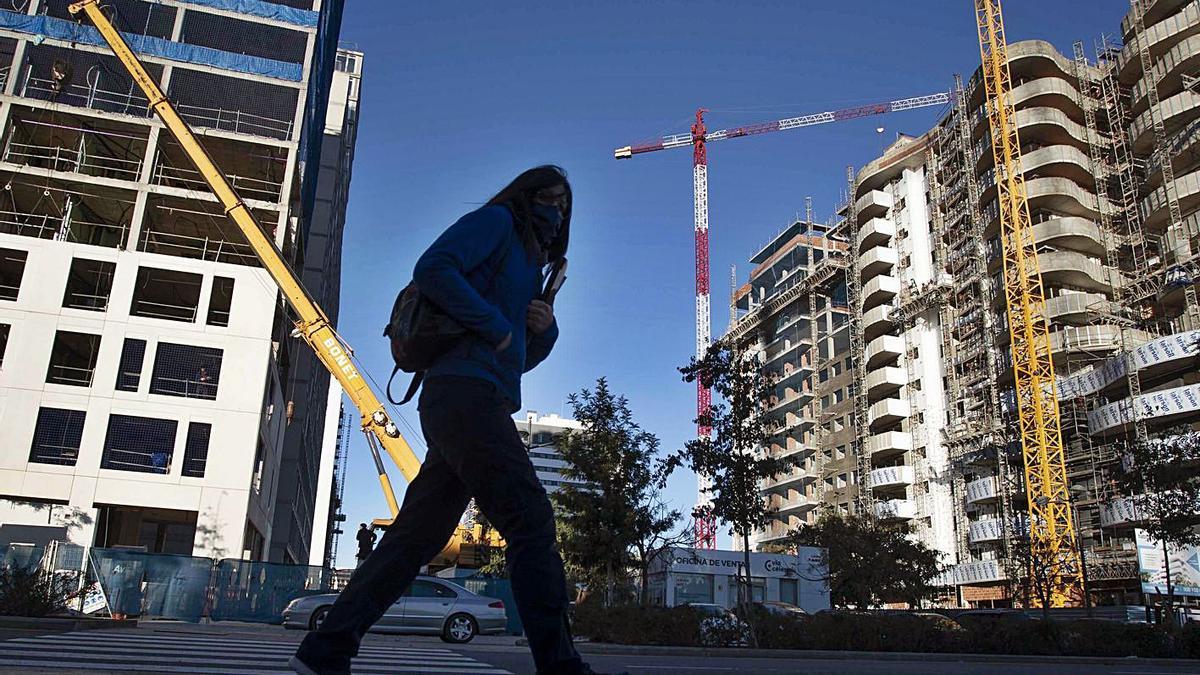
[(706, 529)]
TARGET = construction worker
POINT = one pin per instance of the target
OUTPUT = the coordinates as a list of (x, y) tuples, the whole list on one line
[(366, 542), (485, 271)]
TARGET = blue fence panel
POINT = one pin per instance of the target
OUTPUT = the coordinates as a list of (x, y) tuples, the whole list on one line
[(23, 556), (153, 585), (267, 10), (500, 589), (258, 591)]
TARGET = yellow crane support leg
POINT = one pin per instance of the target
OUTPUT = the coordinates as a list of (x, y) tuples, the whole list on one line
[(312, 325), (1054, 554)]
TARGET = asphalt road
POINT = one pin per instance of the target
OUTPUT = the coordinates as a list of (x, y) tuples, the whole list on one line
[(234, 649)]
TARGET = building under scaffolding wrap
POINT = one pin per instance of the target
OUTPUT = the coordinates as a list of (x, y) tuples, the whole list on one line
[(126, 295), (1109, 137)]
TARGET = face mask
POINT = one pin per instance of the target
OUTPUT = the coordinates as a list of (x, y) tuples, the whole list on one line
[(547, 219)]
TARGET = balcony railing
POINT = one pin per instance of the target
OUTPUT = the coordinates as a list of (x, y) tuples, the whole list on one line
[(236, 121), (44, 226), (202, 248), (70, 375), (129, 102), (163, 310), (74, 160), (190, 179)]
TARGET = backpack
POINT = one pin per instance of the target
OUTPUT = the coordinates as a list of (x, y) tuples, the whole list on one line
[(420, 331)]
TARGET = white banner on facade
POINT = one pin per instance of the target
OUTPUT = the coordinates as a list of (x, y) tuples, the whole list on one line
[(1163, 403), (1153, 353)]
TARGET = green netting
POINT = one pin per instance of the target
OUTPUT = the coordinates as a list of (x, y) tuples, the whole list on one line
[(258, 591)]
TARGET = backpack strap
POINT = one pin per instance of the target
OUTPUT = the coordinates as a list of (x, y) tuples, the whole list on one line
[(413, 385)]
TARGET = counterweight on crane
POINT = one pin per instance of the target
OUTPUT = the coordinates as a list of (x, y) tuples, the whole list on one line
[(312, 325), (706, 529), (1052, 541)]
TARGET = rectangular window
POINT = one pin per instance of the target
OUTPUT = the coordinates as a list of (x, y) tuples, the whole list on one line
[(184, 370), (73, 359), (219, 301), (693, 588), (195, 453), (12, 268), (142, 444), (89, 284), (57, 436), (129, 373), (166, 294), (4, 328)]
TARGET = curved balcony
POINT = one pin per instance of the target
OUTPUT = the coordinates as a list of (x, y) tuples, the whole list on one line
[(883, 350), (1054, 194), (1159, 36), (873, 204), (792, 480), (896, 509), (1174, 112), (889, 444), (1053, 161), (1155, 11), (1156, 215), (795, 505), (877, 320), (1038, 58), (875, 232), (884, 381), (1163, 406), (887, 412), (878, 290), (1043, 92), (985, 530), (1049, 126), (1078, 308), (1120, 512), (1183, 58), (879, 260), (1068, 268), (982, 490), (892, 477), (1073, 232)]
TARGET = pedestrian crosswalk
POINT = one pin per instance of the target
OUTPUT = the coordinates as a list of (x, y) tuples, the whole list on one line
[(163, 652)]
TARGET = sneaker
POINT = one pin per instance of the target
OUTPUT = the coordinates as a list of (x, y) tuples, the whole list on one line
[(303, 668)]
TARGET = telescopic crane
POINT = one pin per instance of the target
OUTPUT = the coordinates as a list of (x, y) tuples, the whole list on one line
[(312, 325), (698, 139)]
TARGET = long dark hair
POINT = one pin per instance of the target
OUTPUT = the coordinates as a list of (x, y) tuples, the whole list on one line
[(518, 197)]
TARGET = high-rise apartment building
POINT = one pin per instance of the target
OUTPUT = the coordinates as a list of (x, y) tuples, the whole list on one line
[(539, 433), (1112, 184), (148, 387)]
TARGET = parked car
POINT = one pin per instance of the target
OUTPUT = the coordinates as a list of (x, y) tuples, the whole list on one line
[(430, 606), (780, 608), (720, 627)]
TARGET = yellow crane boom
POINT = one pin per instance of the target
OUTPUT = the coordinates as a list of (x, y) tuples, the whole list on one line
[(1052, 542), (313, 325)]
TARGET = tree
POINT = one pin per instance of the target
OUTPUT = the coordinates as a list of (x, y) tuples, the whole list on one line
[(1043, 575), (615, 515), (1162, 480), (734, 455), (653, 537), (870, 562)]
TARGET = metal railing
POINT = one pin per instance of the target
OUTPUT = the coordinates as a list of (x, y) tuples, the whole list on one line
[(46, 453), (129, 102), (188, 388), (88, 301), (75, 160), (163, 310), (121, 459), (203, 248), (218, 317), (236, 121), (190, 179), (44, 226), (9, 292), (70, 375)]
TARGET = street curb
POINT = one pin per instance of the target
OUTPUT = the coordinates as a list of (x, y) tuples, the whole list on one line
[(650, 650), (64, 623)]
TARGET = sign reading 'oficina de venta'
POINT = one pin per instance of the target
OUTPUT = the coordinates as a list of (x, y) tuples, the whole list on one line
[(807, 563)]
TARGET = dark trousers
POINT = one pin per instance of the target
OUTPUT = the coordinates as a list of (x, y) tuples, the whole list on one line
[(474, 450)]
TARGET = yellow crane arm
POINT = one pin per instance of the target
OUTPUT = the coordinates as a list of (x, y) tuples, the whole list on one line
[(313, 325)]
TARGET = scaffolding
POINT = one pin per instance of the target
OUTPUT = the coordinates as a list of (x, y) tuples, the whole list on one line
[(860, 424)]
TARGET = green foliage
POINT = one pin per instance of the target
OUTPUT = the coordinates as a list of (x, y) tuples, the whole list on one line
[(617, 521), (870, 562), (32, 592), (892, 632)]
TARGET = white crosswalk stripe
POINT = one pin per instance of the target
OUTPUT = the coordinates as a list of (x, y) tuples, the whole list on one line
[(142, 653)]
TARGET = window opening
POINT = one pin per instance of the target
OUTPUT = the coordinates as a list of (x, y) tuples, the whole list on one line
[(129, 373), (195, 452), (186, 370), (89, 285), (220, 301), (73, 359), (141, 444), (57, 436), (12, 270), (166, 294)]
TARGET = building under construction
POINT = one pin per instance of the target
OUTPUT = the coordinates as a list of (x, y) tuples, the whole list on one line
[(1109, 138)]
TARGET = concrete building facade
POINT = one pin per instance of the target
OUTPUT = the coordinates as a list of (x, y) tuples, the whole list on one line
[(127, 298), (539, 433)]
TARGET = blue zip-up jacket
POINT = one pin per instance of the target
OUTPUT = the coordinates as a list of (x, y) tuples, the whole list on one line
[(456, 273)]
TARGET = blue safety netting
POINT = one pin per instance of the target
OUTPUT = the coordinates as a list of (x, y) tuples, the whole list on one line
[(266, 10), (320, 81), (152, 585), (245, 590), (74, 32)]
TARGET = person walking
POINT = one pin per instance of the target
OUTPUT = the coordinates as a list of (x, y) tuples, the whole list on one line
[(486, 272), (366, 543)]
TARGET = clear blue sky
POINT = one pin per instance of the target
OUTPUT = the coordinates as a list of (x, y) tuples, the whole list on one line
[(460, 97)]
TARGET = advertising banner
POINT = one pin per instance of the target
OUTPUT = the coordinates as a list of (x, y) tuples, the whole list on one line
[(1185, 567)]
